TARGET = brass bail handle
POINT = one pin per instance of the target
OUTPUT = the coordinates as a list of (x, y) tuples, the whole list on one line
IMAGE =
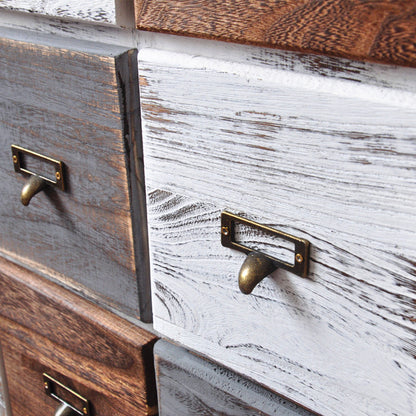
[(36, 181), (257, 265), (254, 269), (65, 410), (33, 186)]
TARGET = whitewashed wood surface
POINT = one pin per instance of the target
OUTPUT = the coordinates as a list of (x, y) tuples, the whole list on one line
[(322, 158), (94, 10)]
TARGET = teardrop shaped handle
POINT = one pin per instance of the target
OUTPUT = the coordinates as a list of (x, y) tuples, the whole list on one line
[(65, 410), (34, 185), (254, 269)]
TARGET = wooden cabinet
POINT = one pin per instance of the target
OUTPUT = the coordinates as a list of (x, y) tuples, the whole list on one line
[(78, 104), (46, 329), (318, 147), (324, 159)]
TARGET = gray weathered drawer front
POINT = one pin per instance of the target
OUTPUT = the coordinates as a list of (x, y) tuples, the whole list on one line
[(189, 385), (329, 160), (81, 108)]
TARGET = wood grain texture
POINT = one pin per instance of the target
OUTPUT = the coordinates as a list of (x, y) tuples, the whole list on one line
[(45, 328), (382, 30), (320, 158), (80, 108), (92, 10), (190, 385)]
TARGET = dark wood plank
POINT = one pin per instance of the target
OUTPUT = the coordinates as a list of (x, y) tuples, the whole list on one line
[(80, 107), (45, 328), (190, 385), (381, 30)]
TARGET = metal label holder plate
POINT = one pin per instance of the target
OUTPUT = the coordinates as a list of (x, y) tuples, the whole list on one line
[(19, 166), (51, 386), (301, 252)]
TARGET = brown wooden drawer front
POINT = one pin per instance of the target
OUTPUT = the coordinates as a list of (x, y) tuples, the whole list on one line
[(190, 385), (45, 328), (80, 107), (381, 31)]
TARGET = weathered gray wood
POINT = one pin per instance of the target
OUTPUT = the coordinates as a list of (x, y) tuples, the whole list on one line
[(321, 158), (81, 108), (190, 385)]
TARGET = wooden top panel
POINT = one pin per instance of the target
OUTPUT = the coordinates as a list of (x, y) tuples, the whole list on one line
[(44, 327), (381, 30)]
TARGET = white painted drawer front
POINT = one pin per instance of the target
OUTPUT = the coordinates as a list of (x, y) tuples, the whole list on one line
[(331, 161)]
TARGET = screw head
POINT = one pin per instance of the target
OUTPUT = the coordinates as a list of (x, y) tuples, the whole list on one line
[(225, 230), (85, 410), (46, 385), (58, 176), (14, 159), (299, 258)]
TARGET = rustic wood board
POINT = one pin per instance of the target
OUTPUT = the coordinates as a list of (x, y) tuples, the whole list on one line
[(95, 10), (82, 108), (321, 158), (46, 328), (383, 31), (190, 385)]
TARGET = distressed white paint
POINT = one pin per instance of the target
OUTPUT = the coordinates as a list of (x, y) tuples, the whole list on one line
[(323, 158), (92, 10)]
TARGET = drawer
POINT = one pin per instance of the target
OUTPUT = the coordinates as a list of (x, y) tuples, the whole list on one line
[(47, 329), (324, 159), (78, 106), (355, 29), (190, 385)]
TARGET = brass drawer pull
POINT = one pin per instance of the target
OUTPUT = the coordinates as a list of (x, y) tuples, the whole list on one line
[(71, 403), (34, 185), (258, 265), (37, 181), (65, 410)]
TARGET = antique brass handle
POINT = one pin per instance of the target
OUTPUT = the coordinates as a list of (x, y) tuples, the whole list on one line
[(254, 269), (258, 265), (37, 181), (65, 410), (34, 185), (70, 402)]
